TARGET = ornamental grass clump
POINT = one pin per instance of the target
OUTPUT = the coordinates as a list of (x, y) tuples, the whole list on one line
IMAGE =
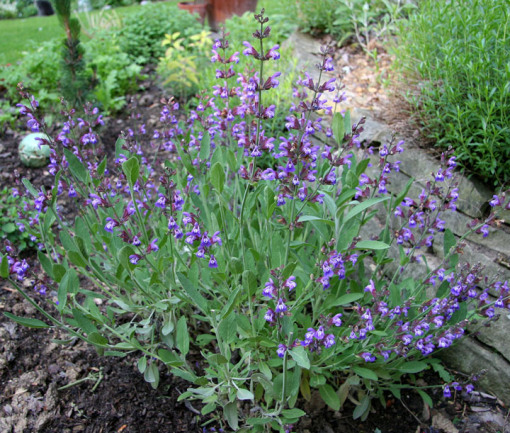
[(237, 260)]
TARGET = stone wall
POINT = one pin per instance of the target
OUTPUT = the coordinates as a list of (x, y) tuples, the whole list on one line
[(487, 348)]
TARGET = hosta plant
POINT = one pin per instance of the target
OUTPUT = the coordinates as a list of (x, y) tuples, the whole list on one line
[(238, 260)]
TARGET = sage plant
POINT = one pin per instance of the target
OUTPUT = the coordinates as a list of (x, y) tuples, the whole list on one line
[(238, 260)]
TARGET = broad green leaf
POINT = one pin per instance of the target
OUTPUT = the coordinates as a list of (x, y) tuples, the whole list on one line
[(4, 267), (97, 339), (449, 241), (258, 421), (365, 373), (193, 293), (84, 323), (217, 358), (362, 408), (9, 228), (425, 397), (356, 210), (227, 329), (131, 169), (371, 245), (347, 121), (413, 367), (77, 259), (315, 218), (347, 299), (27, 321), (329, 396), (218, 177), (338, 127), (231, 303), (299, 355), (293, 413), (182, 335), (151, 375), (30, 187), (231, 415), (142, 364), (169, 358), (244, 394), (76, 167), (304, 387), (45, 263)]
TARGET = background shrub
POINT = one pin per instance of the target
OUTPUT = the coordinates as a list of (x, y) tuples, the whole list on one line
[(144, 30), (458, 53)]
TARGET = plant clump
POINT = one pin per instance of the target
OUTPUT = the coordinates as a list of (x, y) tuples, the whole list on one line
[(249, 249)]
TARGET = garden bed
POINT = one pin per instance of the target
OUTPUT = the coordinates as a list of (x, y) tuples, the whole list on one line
[(107, 394)]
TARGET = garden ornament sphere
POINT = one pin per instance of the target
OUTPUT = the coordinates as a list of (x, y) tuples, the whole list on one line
[(32, 152)]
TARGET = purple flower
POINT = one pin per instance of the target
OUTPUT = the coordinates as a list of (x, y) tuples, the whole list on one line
[(290, 283), (269, 316), (446, 392), (336, 320), (153, 246), (172, 225), (212, 262), (272, 53), (329, 340), (371, 288), (368, 357), (250, 51), (134, 258), (496, 201), (269, 289), (319, 335), (281, 350), (161, 202), (216, 238), (280, 306), (110, 224)]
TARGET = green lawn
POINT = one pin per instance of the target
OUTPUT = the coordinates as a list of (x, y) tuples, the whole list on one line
[(24, 34)]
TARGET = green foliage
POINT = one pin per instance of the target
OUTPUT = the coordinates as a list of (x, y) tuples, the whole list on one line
[(74, 84), (183, 65), (12, 214), (113, 74), (25, 8), (455, 54), (41, 69), (144, 30), (110, 72), (361, 20)]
